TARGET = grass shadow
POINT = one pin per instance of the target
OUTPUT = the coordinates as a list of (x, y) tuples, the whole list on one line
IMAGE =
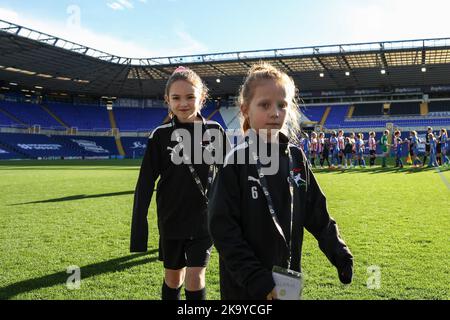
[(60, 278), (77, 197)]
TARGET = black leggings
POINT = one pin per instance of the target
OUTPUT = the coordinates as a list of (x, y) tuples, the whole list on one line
[(323, 159)]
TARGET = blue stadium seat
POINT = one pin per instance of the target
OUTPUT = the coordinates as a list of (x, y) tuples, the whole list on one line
[(42, 146), (7, 154), (83, 117), (31, 114), (34, 145), (314, 113), (5, 121), (139, 119), (87, 146), (336, 116)]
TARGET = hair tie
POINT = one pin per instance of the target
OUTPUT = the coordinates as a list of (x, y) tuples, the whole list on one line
[(180, 69)]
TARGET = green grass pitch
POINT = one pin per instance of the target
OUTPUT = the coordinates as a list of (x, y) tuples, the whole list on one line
[(59, 214)]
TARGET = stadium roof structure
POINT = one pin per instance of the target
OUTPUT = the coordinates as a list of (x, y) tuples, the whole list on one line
[(37, 60)]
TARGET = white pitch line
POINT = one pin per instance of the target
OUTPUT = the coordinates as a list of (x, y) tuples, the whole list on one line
[(444, 179)]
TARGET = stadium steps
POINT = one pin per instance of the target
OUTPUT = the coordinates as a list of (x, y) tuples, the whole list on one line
[(424, 109), (325, 116), (304, 117), (231, 117), (350, 112), (12, 117), (54, 116), (213, 114), (119, 145)]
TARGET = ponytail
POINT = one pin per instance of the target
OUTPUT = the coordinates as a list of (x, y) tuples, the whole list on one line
[(246, 125)]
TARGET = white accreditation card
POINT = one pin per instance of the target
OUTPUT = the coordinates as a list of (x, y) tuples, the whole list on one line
[(288, 283)]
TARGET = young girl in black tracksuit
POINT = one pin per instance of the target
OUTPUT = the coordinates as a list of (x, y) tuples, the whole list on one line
[(326, 153), (175, 155), (251, 238)]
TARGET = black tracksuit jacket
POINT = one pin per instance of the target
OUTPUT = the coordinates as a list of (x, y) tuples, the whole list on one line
[(245, 235), (181, 208)]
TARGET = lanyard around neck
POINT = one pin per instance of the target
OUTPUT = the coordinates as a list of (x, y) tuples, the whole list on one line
[(194, 174), (270, 205)]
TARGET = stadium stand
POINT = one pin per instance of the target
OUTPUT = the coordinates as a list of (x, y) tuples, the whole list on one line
[(403, 114), (88, 146), (83, 117), (10, 155), (211, 112), (20, 146), (6, 121), (139, 119), (30, 114), (406, 123), (37, 146), (368, 109), (314, 113), (404, 108), (337, 116), (439, 106), (34, 146)]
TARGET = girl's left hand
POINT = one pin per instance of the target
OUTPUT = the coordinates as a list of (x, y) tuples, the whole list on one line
[(272, 295)]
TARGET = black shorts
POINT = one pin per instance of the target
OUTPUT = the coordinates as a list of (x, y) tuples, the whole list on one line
[(438, 148), (372, 152), (427, 148), (177, 254)]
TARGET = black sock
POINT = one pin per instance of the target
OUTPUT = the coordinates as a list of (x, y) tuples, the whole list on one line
[(169, 293), (425, 159), (195, 295)]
